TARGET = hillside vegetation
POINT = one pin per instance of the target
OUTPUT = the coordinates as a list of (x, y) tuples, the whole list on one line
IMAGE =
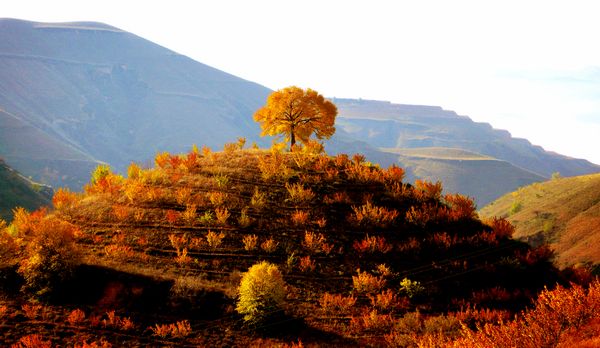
[(18, 191), (463, 171), (564, 212), (368, 259)]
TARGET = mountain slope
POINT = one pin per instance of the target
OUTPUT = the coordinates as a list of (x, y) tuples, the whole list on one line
[(564, 212), (478, 176), (388, 125), (18, 191), (102, 94)]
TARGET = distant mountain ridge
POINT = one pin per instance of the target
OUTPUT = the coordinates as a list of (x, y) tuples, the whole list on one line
[(388, 125), (105, 95), (73, 95)]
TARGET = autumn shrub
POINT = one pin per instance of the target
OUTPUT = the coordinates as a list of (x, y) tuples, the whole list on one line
[(113, 320), (189, 215), (300, 217), (556, 313), (172, 216), (299, 194), (63, 198), (337, 197), (425, 190), (258, 200), (372, 244), (222, 215), (214, 239), (273, 166), (175, 330), (411, 288), (369, 214), (250, 242), (103, 180), (373, 322), (269, 245), (244, 220), (262, 293), (76, 317), (32, 341), (461, 207), (336, 304), (94, 344), (307, 264), (183, 195), (315, 243), (217, 198), (50, 255), (119, 251), (387, 301), (366, 283)]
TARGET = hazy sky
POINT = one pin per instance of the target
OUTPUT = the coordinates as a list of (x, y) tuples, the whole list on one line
[(531, 67)]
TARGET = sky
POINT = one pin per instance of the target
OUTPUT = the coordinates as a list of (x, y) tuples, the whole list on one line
[(530, 67)]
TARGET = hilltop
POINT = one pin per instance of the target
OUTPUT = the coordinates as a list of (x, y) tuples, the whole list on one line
[(16, 190), (364, 253), (564, 212)]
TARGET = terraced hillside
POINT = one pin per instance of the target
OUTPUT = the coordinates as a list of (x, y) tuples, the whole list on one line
[(463, 171), (564, 212), (360, 250)]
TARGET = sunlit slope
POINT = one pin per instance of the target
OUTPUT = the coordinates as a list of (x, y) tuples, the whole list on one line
[(479, 176), (564, 212)]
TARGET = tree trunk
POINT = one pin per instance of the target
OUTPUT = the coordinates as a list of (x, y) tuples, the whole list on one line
[(292, 138)]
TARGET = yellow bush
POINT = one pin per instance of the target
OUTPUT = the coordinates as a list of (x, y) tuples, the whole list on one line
[(261, 293), (50, 256)]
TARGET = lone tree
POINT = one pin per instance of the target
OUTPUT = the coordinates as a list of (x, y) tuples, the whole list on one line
[(297, 113)]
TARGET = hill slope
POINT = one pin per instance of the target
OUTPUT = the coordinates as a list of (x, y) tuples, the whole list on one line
[(564, 212), (387, 125), (97, 93), (18, 191), (360, 250), (475, 175)]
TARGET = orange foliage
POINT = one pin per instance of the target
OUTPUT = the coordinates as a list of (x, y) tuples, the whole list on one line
[(425, 190), (76, 317), (307, 264), (299, 217), (461, 207), (367, 283), (368, 214), (32, 341), (373, 322), (557, 313), (372, 245), (297, 114), (336, 304), (172, 216), (178, 329), (269, 245), (63, 198)]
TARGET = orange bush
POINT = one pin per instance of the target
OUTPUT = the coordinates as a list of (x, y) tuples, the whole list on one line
[(299, 194), (307, 264), (269, 245), (425, 190), (214, 239), (461, 207), (76, 317), (222, 214), (372, 245), (63, 198), (178, 329), (32, 341), (250, 242), (373, 322), (367, 283), (299, 217), (368, 214), (336, 304), (50, 254)]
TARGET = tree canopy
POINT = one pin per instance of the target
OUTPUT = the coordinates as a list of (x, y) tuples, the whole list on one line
[(297, 114)]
